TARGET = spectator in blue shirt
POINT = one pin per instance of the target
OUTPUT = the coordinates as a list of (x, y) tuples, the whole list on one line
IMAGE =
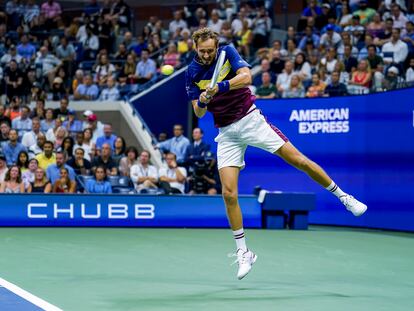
[(23, 123), (312, 10), (12, 148), (87, 90), (107, 138), (53, 170), (177, 145), (309, 36), (146, 68), (72, 124), (99, 184), (25, 49)]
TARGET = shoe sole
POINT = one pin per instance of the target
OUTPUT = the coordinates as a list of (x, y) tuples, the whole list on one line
[(253, 261), (361, 212)]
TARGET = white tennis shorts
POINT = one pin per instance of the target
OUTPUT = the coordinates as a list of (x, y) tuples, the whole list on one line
[(252, 130)]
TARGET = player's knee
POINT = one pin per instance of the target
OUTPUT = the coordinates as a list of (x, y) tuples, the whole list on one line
[(229, 196)]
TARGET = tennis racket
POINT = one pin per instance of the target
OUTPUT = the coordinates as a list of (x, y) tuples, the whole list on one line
[(217, 69)]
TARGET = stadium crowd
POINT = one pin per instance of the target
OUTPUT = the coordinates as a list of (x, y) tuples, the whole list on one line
[(337, 48)]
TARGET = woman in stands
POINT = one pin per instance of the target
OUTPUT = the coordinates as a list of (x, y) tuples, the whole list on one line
[(361, 78), (13, 181), (103, 70), (245, 37), (302, 67), (295, 89), (130, 159), (40, 184), (172, 57), (317, 88), (118, 149), (29, 175), (67, 146), (127, 74), (60, 135), (64, 184), (23, 161), (87, 144), (48, 122), (99, 184)]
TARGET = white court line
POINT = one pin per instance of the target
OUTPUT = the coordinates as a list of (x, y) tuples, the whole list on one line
[(28, 296)]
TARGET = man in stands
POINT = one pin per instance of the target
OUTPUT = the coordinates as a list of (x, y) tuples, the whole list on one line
[(87, 90), (37, 148), (146, 68), (47, 157), (172, 178), (336, 88), (4, 131), (12, 148), (177, 145), (144, 175), (23, 123), (106, 161), (53, 170), (80, 165), (30, 138), (110, 92), (108, 137)]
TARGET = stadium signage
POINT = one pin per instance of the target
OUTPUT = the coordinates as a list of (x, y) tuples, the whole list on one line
[(325, 121), (90, 211)]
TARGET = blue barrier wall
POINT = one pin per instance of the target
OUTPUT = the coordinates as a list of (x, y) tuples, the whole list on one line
[(366, 143), (122, 211)]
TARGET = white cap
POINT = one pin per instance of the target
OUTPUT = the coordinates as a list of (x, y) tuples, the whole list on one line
[(87, 113), (394, 70)]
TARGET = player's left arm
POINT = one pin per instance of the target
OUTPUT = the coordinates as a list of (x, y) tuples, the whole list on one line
[(242, 79)]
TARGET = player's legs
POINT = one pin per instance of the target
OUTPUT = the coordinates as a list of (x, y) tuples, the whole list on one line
[(229, 177)]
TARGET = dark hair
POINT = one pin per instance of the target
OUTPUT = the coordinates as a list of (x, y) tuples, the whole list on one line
[(104, 170), (371, 46), (72, 143), (147, 152), (48, 142), (123, 145), (19, 177), (133, 149), (299, 66), (20, 164)]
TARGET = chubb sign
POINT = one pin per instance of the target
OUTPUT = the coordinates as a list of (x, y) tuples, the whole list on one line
[(325, 121), (90, 211)]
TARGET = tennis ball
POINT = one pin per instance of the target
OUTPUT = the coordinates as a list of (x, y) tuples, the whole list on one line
[(167, 70)]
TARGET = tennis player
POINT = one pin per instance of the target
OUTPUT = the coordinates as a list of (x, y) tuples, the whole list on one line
[(240, 125)]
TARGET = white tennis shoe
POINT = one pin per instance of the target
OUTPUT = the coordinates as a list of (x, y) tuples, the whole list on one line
[(245, 260), (353, 205)]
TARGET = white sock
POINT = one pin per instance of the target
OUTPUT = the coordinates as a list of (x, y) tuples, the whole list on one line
[(240, 239), (335, 190)]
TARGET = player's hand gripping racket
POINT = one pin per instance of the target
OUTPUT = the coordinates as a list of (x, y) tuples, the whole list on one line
[(217, 69)]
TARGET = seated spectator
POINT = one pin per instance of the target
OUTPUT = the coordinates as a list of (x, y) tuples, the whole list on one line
[(126, 75), (336, 88), (23, 161), (77, 80), (110, 92), (107, 138), (177, 145), (63, 111), (121, 55), (283, 80), (127, 161), (95, 126), (409, 75), (12, 181), (23, 123), (13, 78), (295, 89), (395, 51), (53, 170), (264, 67), (72, 125), (142, 174), (267, 89), (30, 138), (4, 131), (277, 64), (317, 87), (40, 184), (365, 13), (376, 27), (330, 38), (58, 89), (172, 179), (90, 43), (399, 18), (83, 140), (373, 58), (245, 36), (261, 26), (39, 110), (146, 68), (3, 167), (99, 184), (309, 35), (106, 161), (28, 176), (79, 163), (64, 184), (37, 148), (119, 148), (12, 148), (291, 50), (58, 136), (67, 147), (48, 122), (360, 79), (302, 67), (198, 149), (103, 70), (392, 80), (330, 60), (172, 57), (48, 63), (87, 90), (345, 19), (67, 54), (51, 10), (3, 117), (25, 49), (47, 157), (14, 111)]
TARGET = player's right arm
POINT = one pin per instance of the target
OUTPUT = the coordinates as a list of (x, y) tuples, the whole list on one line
[(203, 100)]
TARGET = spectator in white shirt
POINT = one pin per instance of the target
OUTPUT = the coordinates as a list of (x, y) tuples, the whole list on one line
[(398, 17), (111, 91), (30, 138), (49, 64), (23, 123), (409, 75), (396, 47), (90, 44), (172, 178), (177, 22), (283, 79), (214, 23), (330, 38), (144, 175)]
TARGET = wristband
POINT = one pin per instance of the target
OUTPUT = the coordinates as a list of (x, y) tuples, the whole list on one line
[(223, 86), (201, 105)]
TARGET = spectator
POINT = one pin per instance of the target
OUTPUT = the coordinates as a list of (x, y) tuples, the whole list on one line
[(385, 36), (325, 18), (87, 90), (121, 55), (3, 167), (11, 55), (96, 127), (51, 10), (39, 110), (14, 11), (361, 79), (126, 162), (28, 175), (14, 110), (144, 175), (40, 184), (330, 60), (330, 38), (58, 89), (53, 171), (295, 89), (177, 23), (376, 27), (120, 14), (373, 58), (172, 179), (302, 67), (177, 145), (79, 163), (106, 161), (395, 51), (399, 18), (312, 10), (107, 138), (3, 117), (277, 64), (267, 89), (86, 144), (78, 79), (111, 92), (4, 131), (146, 68), (172, 57), (409, 75), (336, 88), (119, 148), (37, 148), (14, 79), (47, 157), (22, 123), (90, 44), (12, 148), (99, 184), (317, 88), (49, 121), (283, 80), (48, 63), (30, 138), (67, 54), (350, 62), (72, 125), (291, 50), (25, 49), (365, 13), (392, 80), (215, 23), (58, 136), (363, 52), (127, 72), (345, 18), (23, 161), (13, 181), (261, 28), (64, 184), (309, 35), (198, 149), (67, 147), (245, 36), (264, 67), (103, 70)]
